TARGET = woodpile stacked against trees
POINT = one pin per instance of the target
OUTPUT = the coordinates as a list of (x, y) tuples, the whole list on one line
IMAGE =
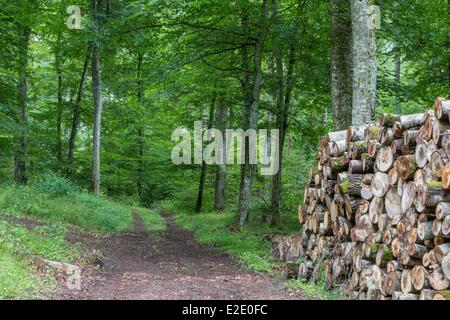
[(376, 210)]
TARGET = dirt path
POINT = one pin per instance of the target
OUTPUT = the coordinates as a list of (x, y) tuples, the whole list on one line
[(169, 265)]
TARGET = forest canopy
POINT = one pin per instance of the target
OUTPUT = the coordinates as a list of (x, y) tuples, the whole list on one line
[(98, 104)]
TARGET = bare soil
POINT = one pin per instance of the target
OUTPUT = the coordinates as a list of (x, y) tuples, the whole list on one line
[(167, 265)]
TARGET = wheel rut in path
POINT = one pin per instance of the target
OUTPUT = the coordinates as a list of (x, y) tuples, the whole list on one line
[(168, 265)]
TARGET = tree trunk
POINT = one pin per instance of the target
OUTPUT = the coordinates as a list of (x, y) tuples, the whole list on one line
[(364, 64), (248, 170), (201, 187), (283, 107), (140, 132), (59, 106), (221, 169), (20, 139), (98, 105), (76, 107), (341, 64)]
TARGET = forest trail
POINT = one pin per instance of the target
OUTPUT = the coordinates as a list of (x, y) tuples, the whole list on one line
[(169, 265)]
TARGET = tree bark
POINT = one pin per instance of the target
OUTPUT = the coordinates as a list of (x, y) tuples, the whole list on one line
[(76, 107), (59, 106), (201, 187), (341, 85), (21, 137), (98, 104), (364, 64), (221, 169), (140, 131), (252, 110)]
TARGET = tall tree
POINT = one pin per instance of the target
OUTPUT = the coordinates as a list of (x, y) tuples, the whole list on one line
[(364, 63), (21, 137), (341, 78), (76, 107), (201, 187), (221, 169), (98, 101), (248, 170)]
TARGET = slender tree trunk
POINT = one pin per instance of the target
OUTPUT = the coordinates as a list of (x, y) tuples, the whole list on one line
[(140, 131), (201, 187), (76, 108), (364, 64), (341, 79), (398, 83), (21, 137), (221, 169), (249, 171), (59, 106), (98, 106)]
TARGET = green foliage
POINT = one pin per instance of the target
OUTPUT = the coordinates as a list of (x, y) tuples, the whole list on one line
[(79, 209), (152, 220), (18, 279), (54, 185)]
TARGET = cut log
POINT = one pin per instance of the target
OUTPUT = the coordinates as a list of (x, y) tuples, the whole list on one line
[(422, 177), (376, 209), (355, 166), (425, 230), (445, 264), (426, 294), (406, 284), (379, 185), (442, 108), (438, 161), (392, 282), (388, 119), (396, 146), (336, 136), (383, 222), (406, 167), (373, 147), (421, 154), (441, 251), (419, 278), (398, 295), (383, 256), (354, 185), (385, 159), (409, 195), (446, 176), (442, 295), (417, 251), (437, 279), (393, 203), (338, 148), (392, 266), (446, 227)]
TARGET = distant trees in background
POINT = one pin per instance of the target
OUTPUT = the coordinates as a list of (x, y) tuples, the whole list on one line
[(103, 101)]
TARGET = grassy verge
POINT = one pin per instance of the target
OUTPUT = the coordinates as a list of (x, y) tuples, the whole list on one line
[(18, 279), (152, 220), (79, 209), (57, 211)]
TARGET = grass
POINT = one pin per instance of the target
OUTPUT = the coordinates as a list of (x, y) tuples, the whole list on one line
[(18, 279), (79, 209), (57, 210), (152, 220)]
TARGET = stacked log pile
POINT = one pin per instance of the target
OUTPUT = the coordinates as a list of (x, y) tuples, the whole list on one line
[(376, 210)]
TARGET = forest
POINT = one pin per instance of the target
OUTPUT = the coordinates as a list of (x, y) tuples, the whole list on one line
[(91, 92)]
